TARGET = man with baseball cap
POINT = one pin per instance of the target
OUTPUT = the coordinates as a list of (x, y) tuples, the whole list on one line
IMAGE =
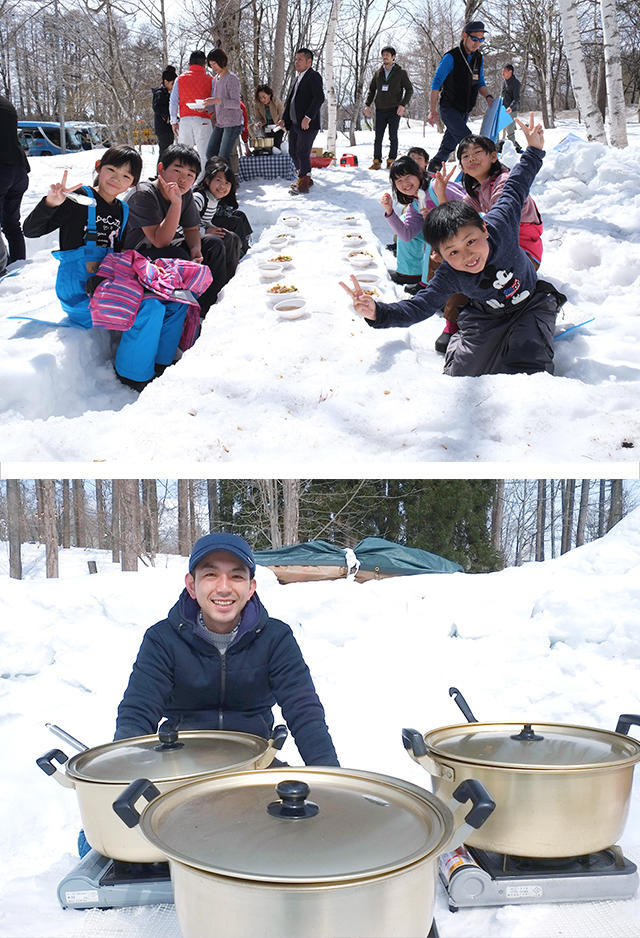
[(219, 661), (458, 80)]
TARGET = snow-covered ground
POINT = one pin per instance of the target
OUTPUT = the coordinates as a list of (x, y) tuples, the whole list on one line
[(556, 641), (298, 394)]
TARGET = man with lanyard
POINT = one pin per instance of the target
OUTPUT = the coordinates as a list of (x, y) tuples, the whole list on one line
[(301, 117), (511, 100), (391, 89), (457, 81)]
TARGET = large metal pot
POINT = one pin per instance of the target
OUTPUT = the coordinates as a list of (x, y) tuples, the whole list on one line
[(303, 853), (170, 759), (560, 790)]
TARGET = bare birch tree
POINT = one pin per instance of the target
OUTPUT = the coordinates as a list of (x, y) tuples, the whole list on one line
[(278, 67), (579, 79), (329, 78), (130, 541), (613, 74), (582, 512)]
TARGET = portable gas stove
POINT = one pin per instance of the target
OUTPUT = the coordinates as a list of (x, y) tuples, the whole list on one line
[(98, 882), (475, 878)]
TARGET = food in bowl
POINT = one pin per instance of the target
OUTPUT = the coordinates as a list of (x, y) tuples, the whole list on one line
[(293, 308), (279, 288), (281, 259), (270, 271)]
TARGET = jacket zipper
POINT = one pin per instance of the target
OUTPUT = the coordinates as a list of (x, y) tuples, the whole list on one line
[(223, 686)]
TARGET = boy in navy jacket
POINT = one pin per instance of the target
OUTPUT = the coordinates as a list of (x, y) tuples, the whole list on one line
[(508, 324)]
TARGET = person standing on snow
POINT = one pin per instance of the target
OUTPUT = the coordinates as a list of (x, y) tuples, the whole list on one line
[(391, 90), (458, 80)]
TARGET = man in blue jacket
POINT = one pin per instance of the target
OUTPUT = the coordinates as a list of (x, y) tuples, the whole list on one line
[(219, 661), (458, 81)]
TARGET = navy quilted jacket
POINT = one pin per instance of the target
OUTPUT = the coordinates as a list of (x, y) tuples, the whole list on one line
[(179, 674)]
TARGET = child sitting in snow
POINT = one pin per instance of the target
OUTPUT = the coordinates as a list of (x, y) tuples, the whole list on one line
[(484, 178), (412, 186), (164, 221), (508, 324), (220, 217)]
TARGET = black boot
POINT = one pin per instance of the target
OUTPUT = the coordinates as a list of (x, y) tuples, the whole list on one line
[(413, 288), (442, 342), (130, 383)]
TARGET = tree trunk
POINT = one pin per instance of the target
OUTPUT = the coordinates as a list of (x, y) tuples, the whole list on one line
[(573, 43), (14, 513), (613, 72), (150, 518), (541, 518), (184, 546), (213, 503), (101, 516), (66, 514), (192, 513), (602, 509), (130, 546), (291, 489), (497, 516), (330, 84), (268, 489), (79, 513), (277, 70), (116, 486), (49, 532), (582, 512), (568, 497), (615, 506)]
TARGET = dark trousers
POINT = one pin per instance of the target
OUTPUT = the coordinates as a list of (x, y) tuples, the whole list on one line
[(300, 143), (165, 139), (457, 130), (212, 255), (386, 117), (14, 182)]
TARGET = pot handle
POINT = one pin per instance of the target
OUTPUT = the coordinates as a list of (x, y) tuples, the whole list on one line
[(625, 720), (414, 743), (275, 743), (45, 762), (124, 805), (483, 805)]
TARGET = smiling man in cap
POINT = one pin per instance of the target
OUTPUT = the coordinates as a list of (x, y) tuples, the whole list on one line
[(458, 80), (219, 661)]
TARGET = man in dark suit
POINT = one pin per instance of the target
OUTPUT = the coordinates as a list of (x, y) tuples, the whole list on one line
[(302, 117)]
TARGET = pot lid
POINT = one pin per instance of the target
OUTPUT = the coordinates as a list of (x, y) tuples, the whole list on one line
[(533, 745), (320, 825), (195, 753)]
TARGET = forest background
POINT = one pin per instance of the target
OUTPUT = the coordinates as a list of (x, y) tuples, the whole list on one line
[(482, 524), (98, 59)]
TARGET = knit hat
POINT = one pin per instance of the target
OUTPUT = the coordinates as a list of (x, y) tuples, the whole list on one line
[(230, 543), (474, 26)]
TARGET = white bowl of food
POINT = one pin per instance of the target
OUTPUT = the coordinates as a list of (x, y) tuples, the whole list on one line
[(294, 307), (285, 261), (270, 270), (280, 291), (280, 240), (360, 258), (291, 221), (353, 238), (367, 279), (197, 105), (349, 221)]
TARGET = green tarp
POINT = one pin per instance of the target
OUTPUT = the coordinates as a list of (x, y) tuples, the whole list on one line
[(374, 554)]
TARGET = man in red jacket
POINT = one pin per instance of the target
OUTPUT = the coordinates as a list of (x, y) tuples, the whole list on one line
[(192, 125)]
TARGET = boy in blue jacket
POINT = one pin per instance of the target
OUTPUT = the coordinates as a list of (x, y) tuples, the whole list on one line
[(219, 661), (508, 324)]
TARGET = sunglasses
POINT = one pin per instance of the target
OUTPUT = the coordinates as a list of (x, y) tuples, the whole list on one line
[(476, 39)]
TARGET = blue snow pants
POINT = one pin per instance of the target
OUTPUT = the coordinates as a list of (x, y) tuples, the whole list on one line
[(155, 333)]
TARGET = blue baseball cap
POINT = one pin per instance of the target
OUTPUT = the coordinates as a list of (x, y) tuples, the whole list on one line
[(230, 543)]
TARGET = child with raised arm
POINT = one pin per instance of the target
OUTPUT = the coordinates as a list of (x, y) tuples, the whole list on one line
[(508, 324)]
